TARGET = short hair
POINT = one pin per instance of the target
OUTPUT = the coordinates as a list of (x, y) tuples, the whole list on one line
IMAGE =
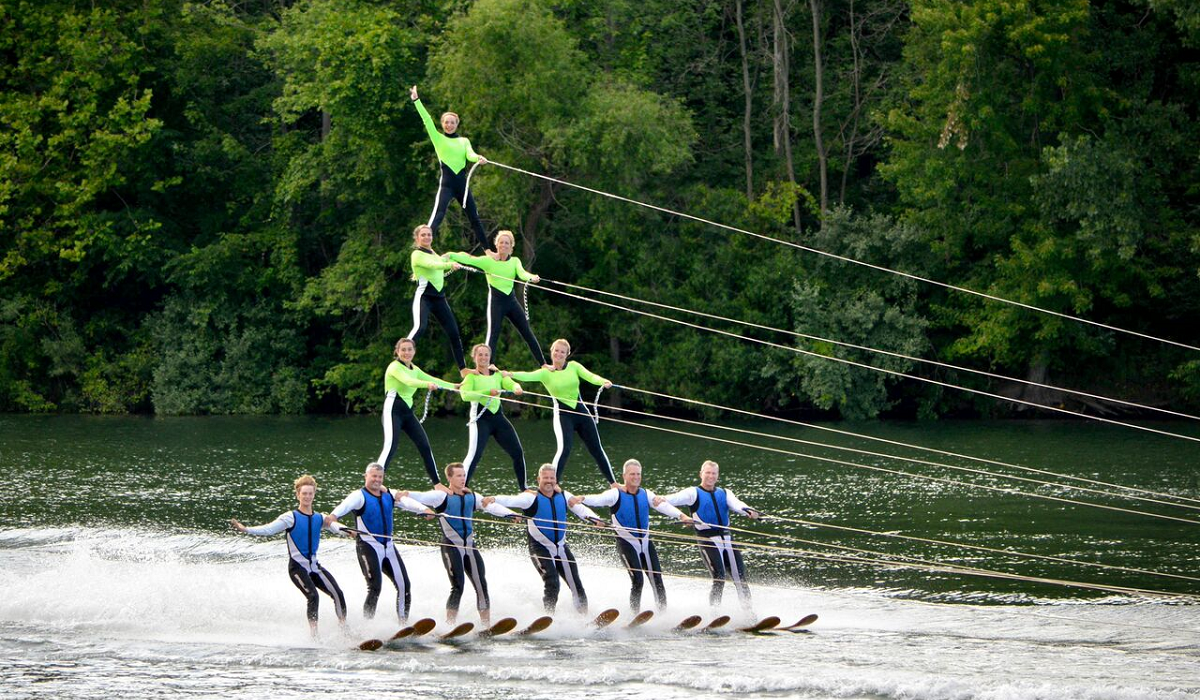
[(505, 232), (373, 466), (548, 468), (709, 463), (450, 114), (305, 480), (452, 466), (630, 463)]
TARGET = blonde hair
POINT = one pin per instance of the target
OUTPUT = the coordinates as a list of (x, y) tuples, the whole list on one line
[(450, 114), (302, 481), (480, 345), (709, 463), (561, 341), (402, 341), (504, 232), (630, 463)]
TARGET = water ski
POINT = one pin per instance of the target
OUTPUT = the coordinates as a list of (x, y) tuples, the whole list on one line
[(717, 623), (688, 623), (763, 625), (458, 631), (371, 645), (420, 627), (640, 619), (802, 622), (606, 618), (504, 626), (537, 626)]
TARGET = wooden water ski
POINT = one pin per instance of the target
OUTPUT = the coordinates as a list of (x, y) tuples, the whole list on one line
[(371, 645), (423, 626), (688, 623), (504, 626), (537, 625), (717, 623), (640, 619), (763, 625), (801, 623), (606, 618), (458, 631)]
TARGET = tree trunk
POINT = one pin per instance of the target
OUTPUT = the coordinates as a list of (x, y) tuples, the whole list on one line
[(818, 100), (748, 102), (783, 124)]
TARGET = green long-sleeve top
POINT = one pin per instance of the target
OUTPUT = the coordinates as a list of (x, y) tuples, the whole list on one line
[(476, 387), (453, 150), (405, 381), (563, 384), (428, 264), (501, 273)]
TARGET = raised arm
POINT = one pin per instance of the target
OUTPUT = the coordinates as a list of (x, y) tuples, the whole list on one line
[(430, 127)]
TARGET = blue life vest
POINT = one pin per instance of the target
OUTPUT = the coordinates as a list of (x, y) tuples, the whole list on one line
[(633, 511), (376, 513), (461, 509), (712, 509), (550, 516), (305, 533)]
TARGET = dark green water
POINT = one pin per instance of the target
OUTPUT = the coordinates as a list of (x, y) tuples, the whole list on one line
[(195, 473)]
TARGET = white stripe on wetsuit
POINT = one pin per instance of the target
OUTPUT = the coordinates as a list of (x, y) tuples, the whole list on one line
[(386, 553), (558, 432), (389, 435), (437, 199), (422, 283)]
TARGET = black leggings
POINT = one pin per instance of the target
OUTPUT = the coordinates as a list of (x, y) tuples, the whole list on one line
[(493, 425), (454, 186), (426, 300), (551, 569), (374, 570), (399, 417), (639, 567), (567, 422), (460, 564), (319, 580), (502, 306), (724, 561)]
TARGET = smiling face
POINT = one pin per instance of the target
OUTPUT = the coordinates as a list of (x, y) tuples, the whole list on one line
[(482, 356), (406, 351), (709, 472), (632, 476), (423, 237), (547, 480), (504, 244), (305, 495), (449, 122), (559, 352), (373, 480)]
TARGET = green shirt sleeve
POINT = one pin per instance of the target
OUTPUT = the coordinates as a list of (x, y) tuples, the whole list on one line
[(430, 127), (420, 373), (508, 384), (471, 154), (537, 375), (525, 276), (479, 261), (420, 257), (584, 373), (468, 392)]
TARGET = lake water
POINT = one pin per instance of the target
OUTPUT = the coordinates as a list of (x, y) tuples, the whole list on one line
[(119, 573)]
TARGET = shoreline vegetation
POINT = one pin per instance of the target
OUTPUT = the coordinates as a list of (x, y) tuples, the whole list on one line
[(206, 207)]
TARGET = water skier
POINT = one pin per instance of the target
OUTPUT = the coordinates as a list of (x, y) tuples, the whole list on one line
[(571, 413), (459, 554), (429, 272), (453, 152), (547, 509), (631, 521), (710, 506), (487, 419), (401, 381), (303, 527), (372, 507), (502, 273)]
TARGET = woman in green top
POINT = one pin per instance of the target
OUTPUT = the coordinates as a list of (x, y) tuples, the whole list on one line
[(481, 390), (401, 381), (453, 151), (502, 271), (571, 414), (429, 272)]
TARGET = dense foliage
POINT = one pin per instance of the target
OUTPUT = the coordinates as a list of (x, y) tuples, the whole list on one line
[(206, 207)]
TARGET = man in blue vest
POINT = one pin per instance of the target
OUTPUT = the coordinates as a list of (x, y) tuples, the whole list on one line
[(710, 506), (546, 512), (630, 507), (456, 511), (372, 507)]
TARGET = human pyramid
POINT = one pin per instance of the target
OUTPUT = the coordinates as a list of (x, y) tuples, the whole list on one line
[(453, 503)]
